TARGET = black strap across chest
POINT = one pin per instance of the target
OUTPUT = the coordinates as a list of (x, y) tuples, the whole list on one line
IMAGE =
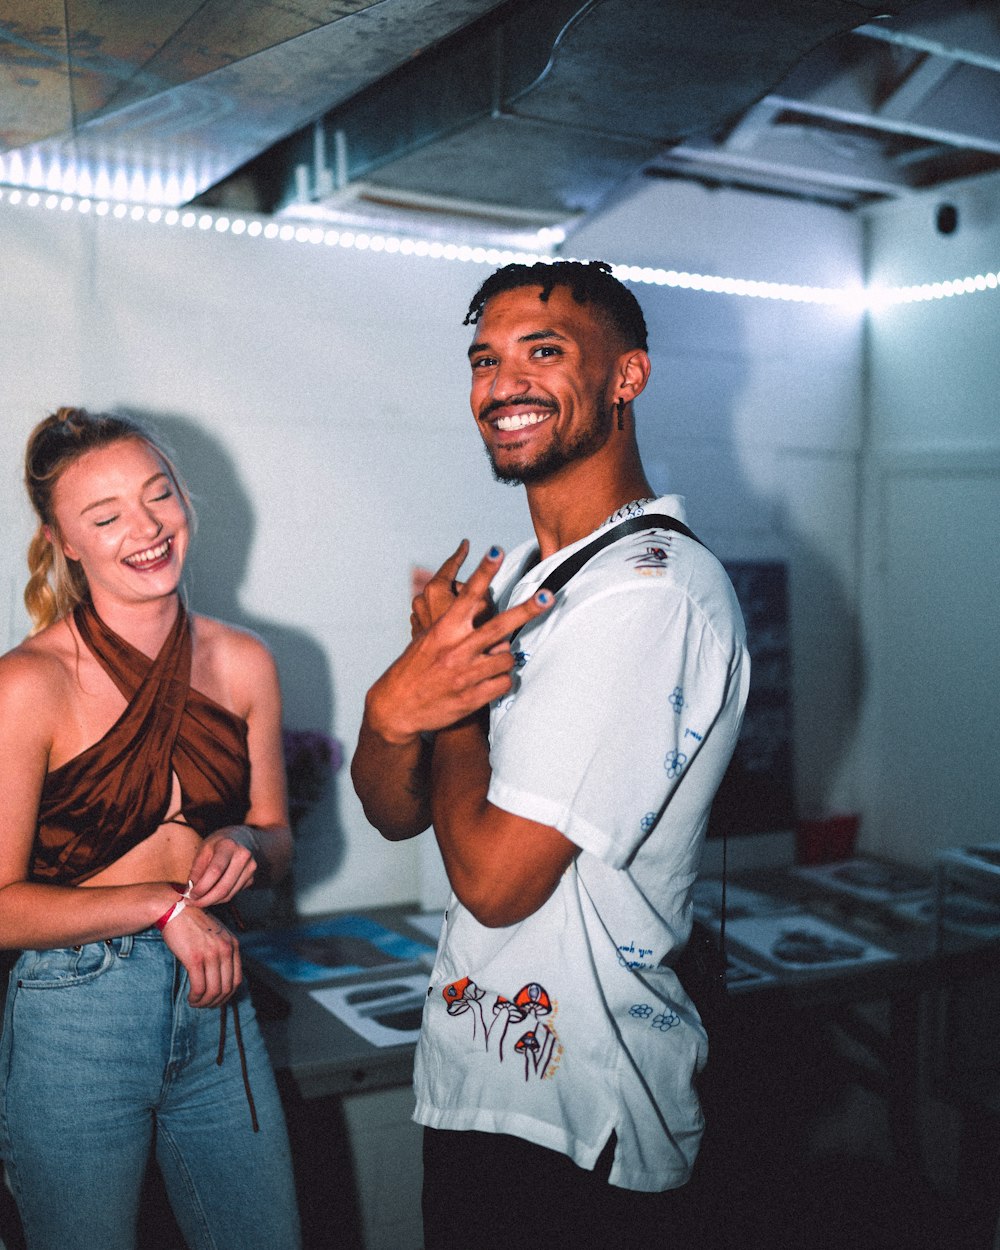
[(561, 574)]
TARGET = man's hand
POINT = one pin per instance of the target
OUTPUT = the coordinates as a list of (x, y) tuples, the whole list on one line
[(458, 661), (439, 592)]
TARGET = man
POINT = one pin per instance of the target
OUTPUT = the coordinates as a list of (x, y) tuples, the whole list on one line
[(555, 1067)]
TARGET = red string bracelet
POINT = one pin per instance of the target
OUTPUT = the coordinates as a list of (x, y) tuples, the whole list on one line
[(174, 910)]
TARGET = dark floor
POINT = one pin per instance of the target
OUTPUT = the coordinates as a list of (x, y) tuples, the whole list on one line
[(836, 1202), (764, 1183)]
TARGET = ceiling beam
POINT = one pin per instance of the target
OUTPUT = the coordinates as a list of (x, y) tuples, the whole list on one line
[(954, 31), (976, 139), (923, 79), (793, 156)]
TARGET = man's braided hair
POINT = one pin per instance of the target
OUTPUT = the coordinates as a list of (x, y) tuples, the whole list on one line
[(590, 282)]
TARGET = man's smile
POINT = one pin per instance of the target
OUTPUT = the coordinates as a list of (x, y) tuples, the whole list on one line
[(520, 420)]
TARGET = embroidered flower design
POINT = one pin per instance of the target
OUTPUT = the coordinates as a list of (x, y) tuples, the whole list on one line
[(674, 763)]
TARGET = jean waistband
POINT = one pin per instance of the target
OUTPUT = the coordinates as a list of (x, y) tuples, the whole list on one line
[(122, 944)]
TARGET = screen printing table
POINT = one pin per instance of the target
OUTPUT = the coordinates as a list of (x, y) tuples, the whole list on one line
[(863, 1009)]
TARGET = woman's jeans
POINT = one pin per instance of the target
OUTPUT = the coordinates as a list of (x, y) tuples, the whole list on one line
[(101, 1057)]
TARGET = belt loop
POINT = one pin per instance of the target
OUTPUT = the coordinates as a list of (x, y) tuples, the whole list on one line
[(125, 947)]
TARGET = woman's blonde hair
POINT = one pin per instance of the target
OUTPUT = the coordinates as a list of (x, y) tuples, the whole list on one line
[(56, 585)]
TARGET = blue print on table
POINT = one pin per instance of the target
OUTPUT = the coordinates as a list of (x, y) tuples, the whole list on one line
[(647, 822), (674, 763), (641, 1011)]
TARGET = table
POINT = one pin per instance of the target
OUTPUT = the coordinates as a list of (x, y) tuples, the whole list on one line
[(321, 1055), (350, 1192), (788, 1045)]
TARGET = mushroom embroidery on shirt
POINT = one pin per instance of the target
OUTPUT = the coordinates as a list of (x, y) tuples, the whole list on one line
[(538, 1046)]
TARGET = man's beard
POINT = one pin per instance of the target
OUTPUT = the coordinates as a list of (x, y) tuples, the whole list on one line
[(558, 454)]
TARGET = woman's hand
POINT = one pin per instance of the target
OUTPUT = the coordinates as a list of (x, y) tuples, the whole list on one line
[(225, 865), (210, 954)]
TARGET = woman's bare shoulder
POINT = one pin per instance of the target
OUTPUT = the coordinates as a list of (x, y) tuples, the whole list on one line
[(237, 658), (37, 674), (230, 643)]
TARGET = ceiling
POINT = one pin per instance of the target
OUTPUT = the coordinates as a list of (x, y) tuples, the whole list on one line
[(492, 117)]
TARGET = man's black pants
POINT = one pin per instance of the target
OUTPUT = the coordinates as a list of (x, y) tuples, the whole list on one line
[(486, 1191)]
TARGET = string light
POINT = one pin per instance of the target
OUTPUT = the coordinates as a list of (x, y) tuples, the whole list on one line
[(852, 298), (881, 297)]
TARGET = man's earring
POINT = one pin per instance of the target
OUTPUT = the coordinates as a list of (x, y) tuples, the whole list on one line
[(621, 414)]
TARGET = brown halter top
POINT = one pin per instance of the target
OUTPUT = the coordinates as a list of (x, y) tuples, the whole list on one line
[(113, 795)]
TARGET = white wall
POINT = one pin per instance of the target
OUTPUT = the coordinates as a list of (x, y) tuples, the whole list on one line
[(316, 398), (931, 738)]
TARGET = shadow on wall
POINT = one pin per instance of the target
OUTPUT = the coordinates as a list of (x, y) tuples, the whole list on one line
[(700, 382), (216, 569)]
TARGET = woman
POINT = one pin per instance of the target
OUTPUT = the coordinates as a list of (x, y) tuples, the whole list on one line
[(143, 787)]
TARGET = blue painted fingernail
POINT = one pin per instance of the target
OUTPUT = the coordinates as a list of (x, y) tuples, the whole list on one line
[(494, 553), (544, 597)]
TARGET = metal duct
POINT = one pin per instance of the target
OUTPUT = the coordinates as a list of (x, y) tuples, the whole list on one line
[(544, 109)]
